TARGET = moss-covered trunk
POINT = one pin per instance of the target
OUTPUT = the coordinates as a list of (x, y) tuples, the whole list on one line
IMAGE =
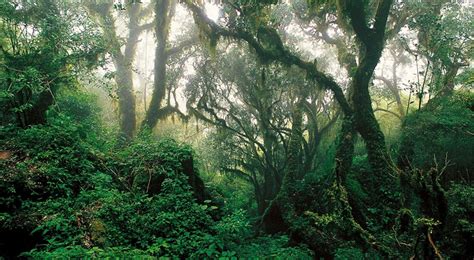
[(345, 149), (281, 212), (371, 42), (124, 79), (126, 100), (122, 61), (161, 30), (364, 118)]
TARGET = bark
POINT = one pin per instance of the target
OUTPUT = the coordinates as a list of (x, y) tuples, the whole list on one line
[(126, 99), (345, 149), (282, 208), (122, 61), (448, 80), (365, 121), (124, 78), (163, 17), (127, 103), (393, 87), (371, 44), (268, 191)]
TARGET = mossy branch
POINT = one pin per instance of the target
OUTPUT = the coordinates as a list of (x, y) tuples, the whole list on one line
[(279, 53)]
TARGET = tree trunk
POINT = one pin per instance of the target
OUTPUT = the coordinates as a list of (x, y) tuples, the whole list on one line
[(124, 78), (281, 211), (371, 44), (394, 89), (123, 62), (126, 98), (345, 149), (448, 80), (161, 30)]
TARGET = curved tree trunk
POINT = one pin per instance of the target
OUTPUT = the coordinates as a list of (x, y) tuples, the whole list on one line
[(345, 149), (371, 44)]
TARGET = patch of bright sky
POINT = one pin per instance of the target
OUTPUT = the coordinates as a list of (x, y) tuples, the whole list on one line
[(212, 11)]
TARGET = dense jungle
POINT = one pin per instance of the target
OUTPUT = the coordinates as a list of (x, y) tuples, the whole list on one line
[(236, 129)]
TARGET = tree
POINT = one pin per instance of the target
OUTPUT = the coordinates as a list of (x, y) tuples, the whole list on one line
[(44, 45), (249, 105), (392, 83), (444, 32), (164, 12), (123, 60), (254, 27)]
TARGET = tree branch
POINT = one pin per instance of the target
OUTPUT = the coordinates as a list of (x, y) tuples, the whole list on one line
[(183, 44), (147, 26), (381, 16), (388, 111), (282, 55), (356, 12)]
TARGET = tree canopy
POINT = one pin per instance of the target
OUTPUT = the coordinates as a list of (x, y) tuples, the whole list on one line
[(335, 129)]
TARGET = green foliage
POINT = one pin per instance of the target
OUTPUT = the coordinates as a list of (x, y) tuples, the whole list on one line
[(234, 228), (92, 253), (349, 253), (77, 205), (146, 163), (48, 161), (443, 130), (445, 33), (80, 106), (461, 228), (272, 247), (65, 186), (57, 185), (45, 45), (379, 212), (84, 203)]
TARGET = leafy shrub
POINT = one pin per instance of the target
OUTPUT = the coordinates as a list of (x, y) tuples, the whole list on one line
[(46, 161), (146, 163), (272, 247), (85, 253), (443, 129), (234, 228), (460, 228), (80, 107), (55, 185), (349, 253), (46, 168)]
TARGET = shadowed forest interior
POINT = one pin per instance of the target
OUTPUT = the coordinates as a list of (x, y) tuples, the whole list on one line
[(229, 129)]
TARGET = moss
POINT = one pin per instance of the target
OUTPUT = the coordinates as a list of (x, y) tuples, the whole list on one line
[(97, 229), (440, 131)]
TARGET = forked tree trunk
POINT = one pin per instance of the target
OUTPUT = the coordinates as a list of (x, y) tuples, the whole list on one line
[(123, 61)]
